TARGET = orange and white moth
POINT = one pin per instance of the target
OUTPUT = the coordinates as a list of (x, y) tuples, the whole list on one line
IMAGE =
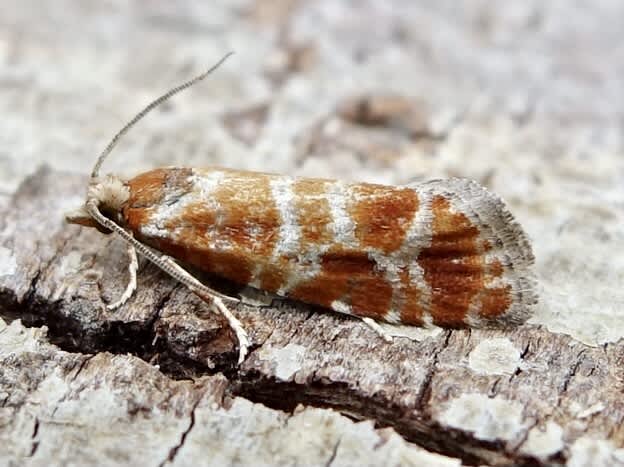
[(445, 252)]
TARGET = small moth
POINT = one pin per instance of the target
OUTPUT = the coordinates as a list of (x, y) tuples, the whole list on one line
[(444, 252)]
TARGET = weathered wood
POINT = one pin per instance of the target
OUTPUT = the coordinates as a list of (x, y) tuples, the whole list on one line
[(527, 99), (60, 408), (443, 393)]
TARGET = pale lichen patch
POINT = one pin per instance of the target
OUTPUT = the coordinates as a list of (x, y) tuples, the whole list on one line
[(544, 441), (288, 360), (489, 419), (16, 339), (497, 356), (8, 263), (587, 451)]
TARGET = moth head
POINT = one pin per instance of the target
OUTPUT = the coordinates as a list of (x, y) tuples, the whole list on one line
[(107, 196), (110, 193)]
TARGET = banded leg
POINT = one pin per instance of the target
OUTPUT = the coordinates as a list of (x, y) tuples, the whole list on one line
[(132, 282), (215, 299)]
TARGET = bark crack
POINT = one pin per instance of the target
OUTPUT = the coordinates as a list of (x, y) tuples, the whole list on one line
[(572, 373), (425, 392), (334, 452), (35, 441), (173, 452)]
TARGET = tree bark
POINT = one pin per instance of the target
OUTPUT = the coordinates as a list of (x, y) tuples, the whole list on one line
[(525, 99), (499, 397)]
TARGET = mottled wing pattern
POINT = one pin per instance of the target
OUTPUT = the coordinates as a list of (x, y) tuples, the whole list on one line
[(445, 252)]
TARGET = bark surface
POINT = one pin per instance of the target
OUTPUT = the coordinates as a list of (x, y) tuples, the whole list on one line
[(525, 99)]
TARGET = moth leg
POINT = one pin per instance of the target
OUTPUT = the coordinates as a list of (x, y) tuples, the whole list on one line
[(374, 325), (213, 299), (132, 282), (237, 327), (168, 265)]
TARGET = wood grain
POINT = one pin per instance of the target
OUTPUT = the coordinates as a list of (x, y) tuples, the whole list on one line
[(424, 390)]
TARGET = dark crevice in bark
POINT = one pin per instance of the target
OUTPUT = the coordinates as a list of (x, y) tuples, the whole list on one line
[(69, 329), (417, 428), (572, 373), (173, 452), (422, 400), (415, 425)]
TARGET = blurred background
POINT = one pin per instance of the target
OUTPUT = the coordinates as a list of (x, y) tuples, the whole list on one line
[(525, 97)]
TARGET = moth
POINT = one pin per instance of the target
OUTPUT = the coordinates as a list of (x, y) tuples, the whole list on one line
[(444, 252)]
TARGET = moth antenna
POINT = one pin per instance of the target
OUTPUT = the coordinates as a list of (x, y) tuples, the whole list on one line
[(151, 106)]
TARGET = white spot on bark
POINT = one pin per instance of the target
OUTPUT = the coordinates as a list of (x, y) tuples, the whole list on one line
[(489, 419), (494, 357), (288, 360), (8, 263), (16, 339), (544, 441), (588, 452), (70, 263)]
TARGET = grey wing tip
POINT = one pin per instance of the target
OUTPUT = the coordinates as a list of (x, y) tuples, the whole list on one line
[(492, 213), (509, 239)]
